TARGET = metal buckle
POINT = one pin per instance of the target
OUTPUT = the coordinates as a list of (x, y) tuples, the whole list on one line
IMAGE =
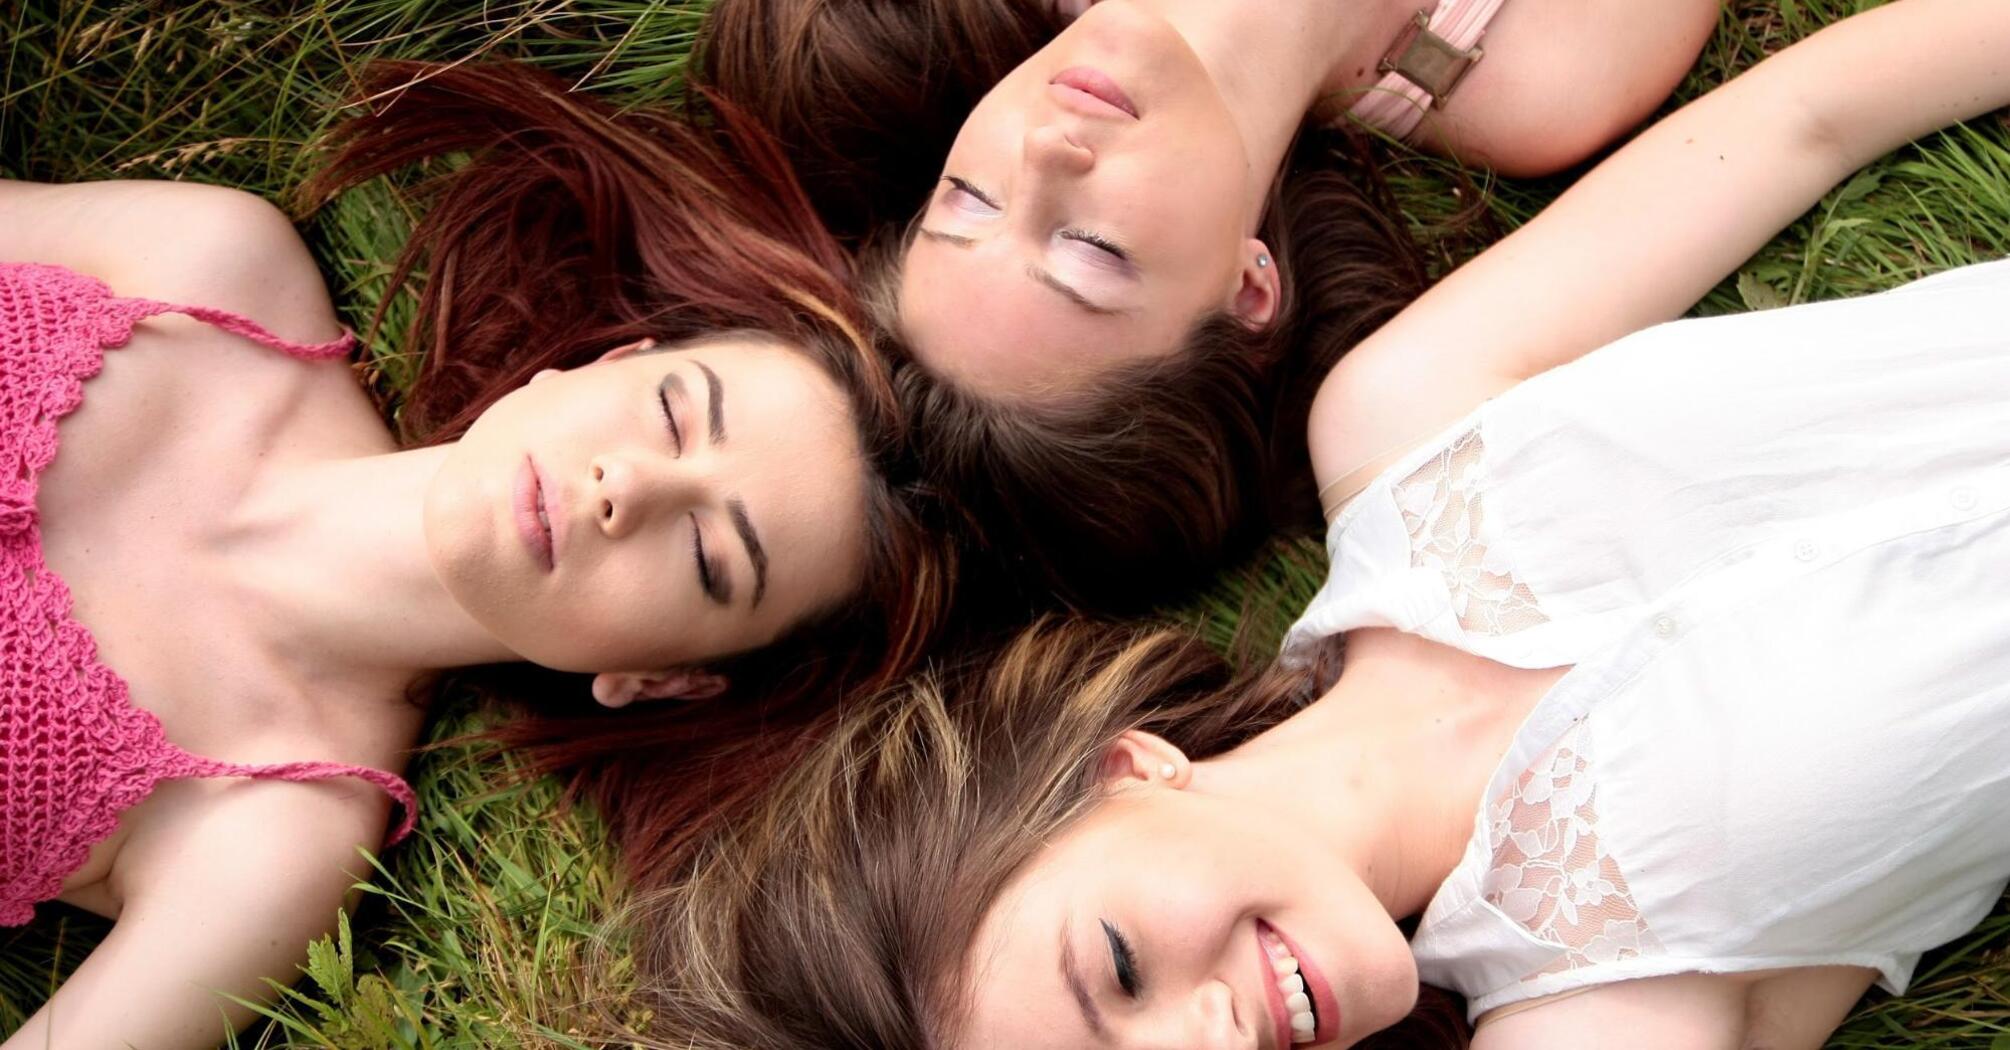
[(1428, 60)]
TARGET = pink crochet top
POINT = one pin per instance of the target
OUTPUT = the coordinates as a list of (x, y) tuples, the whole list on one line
[(74, 750)]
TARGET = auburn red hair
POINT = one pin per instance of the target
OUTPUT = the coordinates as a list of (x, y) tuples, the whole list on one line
[(573, 228)]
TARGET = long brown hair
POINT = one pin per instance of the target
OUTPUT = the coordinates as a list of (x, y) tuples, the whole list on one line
[(571, 229), (839, 917), (1169, 468), (866, 95), (1150, 480)]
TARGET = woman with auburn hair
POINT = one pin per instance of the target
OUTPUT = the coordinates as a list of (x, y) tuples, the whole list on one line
[(1673, 696), (1133, 256), (648, 443)]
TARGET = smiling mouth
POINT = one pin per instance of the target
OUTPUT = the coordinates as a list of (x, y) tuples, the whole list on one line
[(1295, 1006)]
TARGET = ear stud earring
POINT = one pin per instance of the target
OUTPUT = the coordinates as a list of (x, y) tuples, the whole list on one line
[(1263, 262), (1168, 771)]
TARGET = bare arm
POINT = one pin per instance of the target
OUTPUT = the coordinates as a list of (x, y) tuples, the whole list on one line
[(1645, 234), (1562, 80), (237, 893), (1786, 1010)]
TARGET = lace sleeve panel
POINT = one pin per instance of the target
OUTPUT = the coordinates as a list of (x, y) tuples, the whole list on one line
[(1444, 507), (1551, 872)]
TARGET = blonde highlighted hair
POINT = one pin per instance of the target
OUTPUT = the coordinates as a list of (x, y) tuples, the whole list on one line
[(838, 916)]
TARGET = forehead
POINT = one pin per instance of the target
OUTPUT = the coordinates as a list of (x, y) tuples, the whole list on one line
[(1016, 996)]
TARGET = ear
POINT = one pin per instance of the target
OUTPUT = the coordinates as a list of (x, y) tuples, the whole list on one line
[(1257, 289), (639, 346), (544, 373), (1138, 757), (621, 688)]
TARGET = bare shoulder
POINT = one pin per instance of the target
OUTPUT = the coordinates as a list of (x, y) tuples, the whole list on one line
[(1564, 78), (1775, 1010), (176, 241), (306, 839)]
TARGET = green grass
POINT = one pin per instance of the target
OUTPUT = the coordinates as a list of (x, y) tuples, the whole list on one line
[(479, 932)]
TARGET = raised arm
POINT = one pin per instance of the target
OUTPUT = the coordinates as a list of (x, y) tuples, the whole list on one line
[(1648, 232)]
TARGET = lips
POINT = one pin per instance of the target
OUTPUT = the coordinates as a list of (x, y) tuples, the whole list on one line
[(1101, 91), (1325, 1007), (533, 521)]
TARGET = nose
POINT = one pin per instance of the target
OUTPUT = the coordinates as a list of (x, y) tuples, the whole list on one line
[(1212, 1023), (630, 489), (1050, 151)]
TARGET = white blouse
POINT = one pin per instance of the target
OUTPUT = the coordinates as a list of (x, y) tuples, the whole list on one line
[(1774, 549)]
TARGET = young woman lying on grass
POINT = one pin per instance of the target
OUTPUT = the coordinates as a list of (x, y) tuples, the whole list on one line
[(648, 441), (1123, 281), (1675, 689)]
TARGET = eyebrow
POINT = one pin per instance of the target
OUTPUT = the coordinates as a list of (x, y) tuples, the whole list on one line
[(737, 510), (717, 400), (1068, 291), (948, 238), (1073, 975), (1036, 273)]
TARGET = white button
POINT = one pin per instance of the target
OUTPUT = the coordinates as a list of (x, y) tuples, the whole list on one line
[(1963, 498), (1807, 550), (1664, 626)]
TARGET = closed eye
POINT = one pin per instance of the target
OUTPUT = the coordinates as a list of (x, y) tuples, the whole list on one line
[(670, 416), (961, 188), (711, 578), (1099, 242), (1122, 959)]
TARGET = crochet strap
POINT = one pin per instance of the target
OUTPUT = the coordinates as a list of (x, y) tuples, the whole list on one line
[(136, 310), (183, 764)]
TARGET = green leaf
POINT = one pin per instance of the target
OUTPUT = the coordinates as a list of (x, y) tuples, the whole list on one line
[(1757, 294)]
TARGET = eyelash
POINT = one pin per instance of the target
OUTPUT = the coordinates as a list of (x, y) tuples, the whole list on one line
[(971, 190), (676, 434), (1097, 240), (1125, 959)]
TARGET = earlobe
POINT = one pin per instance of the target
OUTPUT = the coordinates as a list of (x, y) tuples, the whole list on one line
[(1140, 757), (1258, 289), (621, 688)]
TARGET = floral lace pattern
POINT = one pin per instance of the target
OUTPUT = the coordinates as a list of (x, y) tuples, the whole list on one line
[(1445, 513), (1552, 875)]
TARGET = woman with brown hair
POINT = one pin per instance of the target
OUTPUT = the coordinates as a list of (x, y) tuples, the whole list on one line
[(650, 457), (1673, 696), (1132, 265)]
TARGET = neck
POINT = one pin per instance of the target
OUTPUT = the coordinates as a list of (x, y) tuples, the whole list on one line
[(333, 555), (1400, 750), (1273, 60)]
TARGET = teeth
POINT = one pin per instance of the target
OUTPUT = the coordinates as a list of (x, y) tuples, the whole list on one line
[(1304, 1025)]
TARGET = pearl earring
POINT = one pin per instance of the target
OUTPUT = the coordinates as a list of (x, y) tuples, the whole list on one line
[(1168, 771), (1263, 262)]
